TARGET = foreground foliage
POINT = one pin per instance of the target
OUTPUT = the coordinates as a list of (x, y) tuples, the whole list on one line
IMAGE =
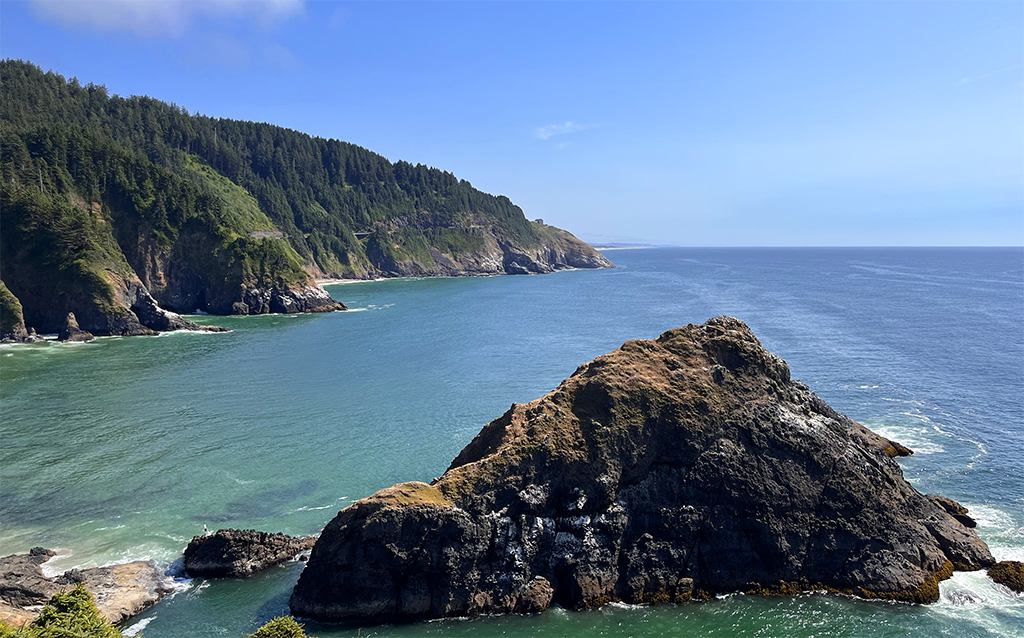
[(283, 627), (70, 614), (73, 614)]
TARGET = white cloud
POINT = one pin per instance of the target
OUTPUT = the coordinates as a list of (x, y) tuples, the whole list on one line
[(148, 18), (551, 130)]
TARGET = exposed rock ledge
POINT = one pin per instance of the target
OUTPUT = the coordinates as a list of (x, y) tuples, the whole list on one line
[(1009, 573), (120, 591), (238, 553), (679, 467)]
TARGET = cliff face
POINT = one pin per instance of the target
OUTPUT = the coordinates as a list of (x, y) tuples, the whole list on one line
[(121, 275), (679, 467), (493, 254)]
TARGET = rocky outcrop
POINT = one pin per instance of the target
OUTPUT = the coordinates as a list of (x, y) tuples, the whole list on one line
[(120, 591), (1009, 573), (282, 299), (239, 553), (669, 469), (554, 249), (71, 331)]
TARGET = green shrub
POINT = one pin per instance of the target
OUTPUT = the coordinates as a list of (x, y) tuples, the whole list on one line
[(283, 627), (70, 614), (74, 613)]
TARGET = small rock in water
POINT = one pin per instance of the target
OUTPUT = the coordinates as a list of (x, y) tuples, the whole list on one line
[(963, 597), (238, 553)]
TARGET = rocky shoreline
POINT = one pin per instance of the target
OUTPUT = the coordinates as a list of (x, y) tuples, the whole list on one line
[(127, 589), (121, 591)]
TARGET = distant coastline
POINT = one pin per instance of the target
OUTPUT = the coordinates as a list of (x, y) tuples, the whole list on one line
[(625, 247)]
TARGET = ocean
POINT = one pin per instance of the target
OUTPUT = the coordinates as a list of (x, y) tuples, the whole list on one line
[(124, 448)]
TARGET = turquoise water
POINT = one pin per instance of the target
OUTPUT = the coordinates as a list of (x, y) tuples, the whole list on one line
[(123, 448)]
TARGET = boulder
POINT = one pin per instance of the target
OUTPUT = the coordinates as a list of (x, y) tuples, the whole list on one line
[(239, 553), (120, 591), (667, 470)]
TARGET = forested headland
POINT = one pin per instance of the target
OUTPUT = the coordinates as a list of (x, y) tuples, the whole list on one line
[(110, 204)]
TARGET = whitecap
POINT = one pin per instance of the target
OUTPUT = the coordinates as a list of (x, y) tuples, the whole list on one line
[(990, 517), (919, 439), (622, 605), (135, 629)]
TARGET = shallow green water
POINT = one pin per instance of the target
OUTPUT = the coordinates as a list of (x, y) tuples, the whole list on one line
[(124, 448)]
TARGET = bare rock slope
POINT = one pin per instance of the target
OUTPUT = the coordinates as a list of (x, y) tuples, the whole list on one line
[(668, 469)]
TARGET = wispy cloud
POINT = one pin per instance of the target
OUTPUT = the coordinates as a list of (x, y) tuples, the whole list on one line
[(339, 18), (551, 130), (148, 18), (975, 78)]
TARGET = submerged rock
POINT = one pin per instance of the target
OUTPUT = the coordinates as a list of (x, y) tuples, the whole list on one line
[(120, 591), (238, 553), (668, 469)]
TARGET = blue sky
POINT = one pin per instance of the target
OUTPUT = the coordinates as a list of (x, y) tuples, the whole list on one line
[(697, 124)]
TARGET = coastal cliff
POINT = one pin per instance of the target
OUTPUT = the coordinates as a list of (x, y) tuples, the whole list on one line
[(122, 210), (667, 470)]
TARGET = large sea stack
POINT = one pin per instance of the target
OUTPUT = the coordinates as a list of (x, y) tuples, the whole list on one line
[(668, 469)]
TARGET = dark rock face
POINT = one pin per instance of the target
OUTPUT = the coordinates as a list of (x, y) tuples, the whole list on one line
[(1009, 573), (679, 467), (238, 553), (121, 591)]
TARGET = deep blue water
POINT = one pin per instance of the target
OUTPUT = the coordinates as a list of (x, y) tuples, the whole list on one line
[(124, 448)]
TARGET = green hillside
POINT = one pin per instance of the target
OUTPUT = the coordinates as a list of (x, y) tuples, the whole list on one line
[(224, 215)]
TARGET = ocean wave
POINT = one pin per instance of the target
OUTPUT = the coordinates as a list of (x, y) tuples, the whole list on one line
[(194, 591), (918, 439), (191, 332), (973, 598), (307, 508), (989, 517), (622, 605), (136, 629)]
